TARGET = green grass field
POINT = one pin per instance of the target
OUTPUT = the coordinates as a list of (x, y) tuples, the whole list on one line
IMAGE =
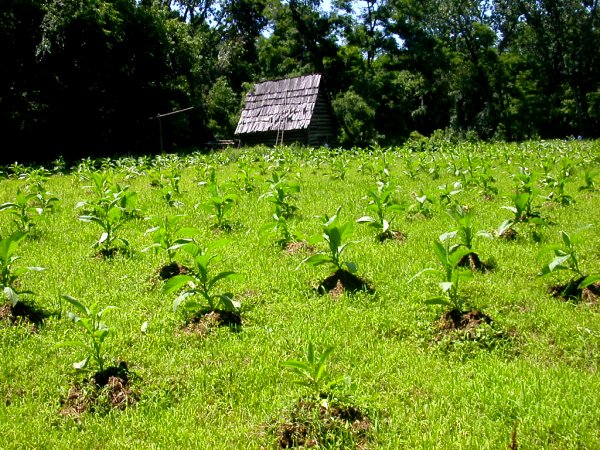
[(528, 380)]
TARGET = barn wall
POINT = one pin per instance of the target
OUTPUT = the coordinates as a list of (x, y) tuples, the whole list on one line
[(269, 137), (321, 129)]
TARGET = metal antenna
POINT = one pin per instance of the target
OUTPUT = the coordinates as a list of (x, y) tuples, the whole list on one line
[(160, 116)]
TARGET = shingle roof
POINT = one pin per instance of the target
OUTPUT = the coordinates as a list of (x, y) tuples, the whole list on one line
[(286, 104)]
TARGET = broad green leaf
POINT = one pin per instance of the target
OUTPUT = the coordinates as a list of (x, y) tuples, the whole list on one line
[(81, 364), (437, 301), (77, 304), (364, 219), (220, 276), (589, 280), (11, 295), (352, 267), (318, 259), (566, 239), (556, 263), (446, 286), (175, 283)]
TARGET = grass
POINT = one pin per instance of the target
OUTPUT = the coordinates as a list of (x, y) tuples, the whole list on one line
[(536, 386)]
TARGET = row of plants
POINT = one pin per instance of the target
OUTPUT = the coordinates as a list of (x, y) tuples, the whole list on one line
[(192, 270)]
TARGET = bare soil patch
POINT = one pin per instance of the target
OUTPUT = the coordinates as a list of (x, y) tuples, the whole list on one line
[(472, 261), (23, 313), (343, 281), (571, 291), (462, 320), (392, 235), (202, 324), (321, 424), (101, 392), (170, 270), (292, 248)]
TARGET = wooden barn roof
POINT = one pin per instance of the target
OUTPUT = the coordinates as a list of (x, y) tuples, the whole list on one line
[(286, 104)]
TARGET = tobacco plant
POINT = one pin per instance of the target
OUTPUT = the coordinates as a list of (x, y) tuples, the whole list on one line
[(382, 204), (169, 236), (89, 319), (110, 213), (282, 194), (23, 211), (281, 227), (199, 295), (450, 275), (312, 373), (336, 235), (8, 273), (219, 203), (567, 259)]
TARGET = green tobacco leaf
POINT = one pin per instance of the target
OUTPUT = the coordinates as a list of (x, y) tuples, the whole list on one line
[(367, 219), (77, 304), (175, 283), (81, 364), (352, 267), (437, 301), (318, 259), (11, 296), (589, 280)]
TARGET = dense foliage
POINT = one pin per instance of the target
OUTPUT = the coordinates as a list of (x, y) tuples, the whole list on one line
[(92, 75)]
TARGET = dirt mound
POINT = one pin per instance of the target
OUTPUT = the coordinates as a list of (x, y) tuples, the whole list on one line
[(103, 391), (343, 281), (203, 324), (313, 423)]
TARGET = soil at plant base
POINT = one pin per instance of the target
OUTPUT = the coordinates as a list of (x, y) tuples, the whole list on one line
[(313, 423), (201, 325), (343, 281), (472, 261), (105, 390), (110, 253), (291, 248), (22, 313), (170, 270), (462, 320), (392, 235), (509, 235), (571, 291)]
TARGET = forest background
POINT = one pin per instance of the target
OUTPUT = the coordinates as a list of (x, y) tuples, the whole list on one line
[(88, 77)]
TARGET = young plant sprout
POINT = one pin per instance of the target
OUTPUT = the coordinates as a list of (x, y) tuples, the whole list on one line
[(566, 259), (95, 332), (312, 373), (8, 273), (336, 235), (199, 295), (383, 206), (450, 275)]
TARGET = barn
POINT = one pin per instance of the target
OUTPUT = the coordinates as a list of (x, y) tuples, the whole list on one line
[(290, 110)]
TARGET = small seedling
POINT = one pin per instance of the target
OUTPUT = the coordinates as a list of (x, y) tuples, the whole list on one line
[(110, 215), (312, 373), (89, 319), (281, 227), (219, 203), (450, 275), (336, 235), (23, 210), (382, 204), (169, 236), (282, 194), (567, 259), (9, 274), (199, 284)]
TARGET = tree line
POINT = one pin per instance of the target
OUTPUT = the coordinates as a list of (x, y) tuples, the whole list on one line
[(81, 77)]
